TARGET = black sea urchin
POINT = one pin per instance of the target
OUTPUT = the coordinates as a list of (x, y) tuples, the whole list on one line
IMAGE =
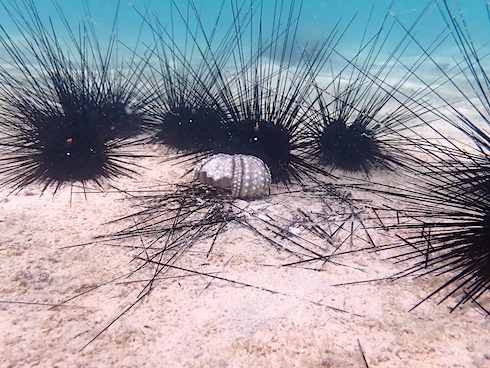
[(443, 217), (68, 105), (360, 116), (443, 226), (184, 76)]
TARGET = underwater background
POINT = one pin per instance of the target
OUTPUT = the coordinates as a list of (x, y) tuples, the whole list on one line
[(408, 29), (317, 19)]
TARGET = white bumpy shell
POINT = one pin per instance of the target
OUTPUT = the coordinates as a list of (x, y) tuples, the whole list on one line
[(246, 176)]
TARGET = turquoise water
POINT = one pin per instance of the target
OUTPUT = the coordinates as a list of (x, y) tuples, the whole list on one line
[(317, 20), (191, 26)]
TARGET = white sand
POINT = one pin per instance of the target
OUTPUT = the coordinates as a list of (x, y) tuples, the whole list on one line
[(195, 321)]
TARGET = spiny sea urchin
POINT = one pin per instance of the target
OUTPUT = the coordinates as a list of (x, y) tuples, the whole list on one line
[(443, 217), (183, 78), (68, 105), (359, 118)]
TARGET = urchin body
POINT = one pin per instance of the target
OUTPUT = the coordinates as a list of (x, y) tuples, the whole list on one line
[(190, 129), (350, 148)]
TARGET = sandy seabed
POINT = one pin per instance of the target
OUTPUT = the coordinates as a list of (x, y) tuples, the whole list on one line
[(286, 317)]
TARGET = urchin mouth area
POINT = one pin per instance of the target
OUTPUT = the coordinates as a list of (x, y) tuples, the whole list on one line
[(349, 147)]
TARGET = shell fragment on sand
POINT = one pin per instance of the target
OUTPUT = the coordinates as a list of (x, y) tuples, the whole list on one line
[(246, 176)]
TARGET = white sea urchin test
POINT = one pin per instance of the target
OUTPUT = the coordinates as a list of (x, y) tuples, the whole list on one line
[(246, 176)]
